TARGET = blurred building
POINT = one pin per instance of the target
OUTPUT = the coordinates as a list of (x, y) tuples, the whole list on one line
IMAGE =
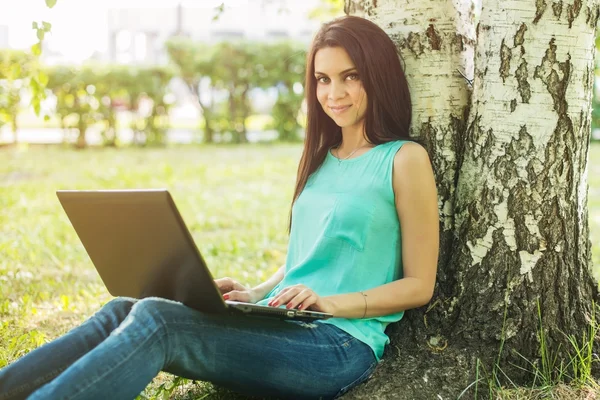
[(138, 35), (4, 37)]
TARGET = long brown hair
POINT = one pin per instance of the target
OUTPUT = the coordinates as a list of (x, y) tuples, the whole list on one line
[(378, 64)]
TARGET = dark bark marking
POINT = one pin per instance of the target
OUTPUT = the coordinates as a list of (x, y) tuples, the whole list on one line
[(587, 14), (523, 85), (547, 74), (573, 11), (459, 41), (505, 55), (413, 43), (513, 105), (434, 38), (352, 7), (593, 17), (519, 37), (588, 78), (540, 7), (557, 9), (506, 169)]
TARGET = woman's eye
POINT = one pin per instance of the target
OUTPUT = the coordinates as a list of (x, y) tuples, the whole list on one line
[(323, 79), (352, 77)]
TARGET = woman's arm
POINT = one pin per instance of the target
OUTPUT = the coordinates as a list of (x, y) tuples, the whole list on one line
[(268, 285), (393, 297)]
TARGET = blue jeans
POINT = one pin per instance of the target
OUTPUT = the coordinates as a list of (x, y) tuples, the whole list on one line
[(117, 352)]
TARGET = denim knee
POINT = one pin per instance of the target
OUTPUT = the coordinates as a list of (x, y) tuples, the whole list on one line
[(120, 306), (152, 308)]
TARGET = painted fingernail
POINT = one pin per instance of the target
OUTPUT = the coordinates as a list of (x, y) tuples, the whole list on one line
[(275, 304), (225, 296), (289, 305)]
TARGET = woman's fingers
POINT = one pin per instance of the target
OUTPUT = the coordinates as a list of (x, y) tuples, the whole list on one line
[(294, 296), (283, 297), (236, 295), (227, 284), (305, 298), (224, 284), (238, 286)]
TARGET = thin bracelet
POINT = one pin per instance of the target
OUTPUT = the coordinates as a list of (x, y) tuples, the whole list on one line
[(365, 298)]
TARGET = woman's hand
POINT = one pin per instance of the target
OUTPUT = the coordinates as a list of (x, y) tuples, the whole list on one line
[(301, 297), (233, 290)]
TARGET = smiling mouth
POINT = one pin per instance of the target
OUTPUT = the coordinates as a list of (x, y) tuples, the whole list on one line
[(339, 110)]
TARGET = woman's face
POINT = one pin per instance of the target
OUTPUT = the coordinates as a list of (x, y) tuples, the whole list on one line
[(339, 88)]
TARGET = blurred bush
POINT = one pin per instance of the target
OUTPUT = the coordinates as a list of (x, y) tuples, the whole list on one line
[(220, 76), (93, 94), (237, 68), (16, 70)]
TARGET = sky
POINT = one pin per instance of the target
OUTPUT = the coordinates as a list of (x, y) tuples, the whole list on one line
[(78, 26)]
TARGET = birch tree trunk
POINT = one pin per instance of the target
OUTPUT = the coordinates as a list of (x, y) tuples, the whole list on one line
[(510, 163)]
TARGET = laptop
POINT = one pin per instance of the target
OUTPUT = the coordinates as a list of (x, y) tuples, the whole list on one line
[(141, 247)]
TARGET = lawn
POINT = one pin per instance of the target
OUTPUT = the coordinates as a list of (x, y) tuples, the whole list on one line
[(235, 200)]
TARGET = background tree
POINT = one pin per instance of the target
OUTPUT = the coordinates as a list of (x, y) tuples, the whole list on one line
[(282, 66), (16, 70), (111, 92), (74, 92), (196, 65), (147, 89), (235, 65), (509, 146)]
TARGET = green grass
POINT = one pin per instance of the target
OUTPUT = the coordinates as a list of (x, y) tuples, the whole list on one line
[(235, 200)]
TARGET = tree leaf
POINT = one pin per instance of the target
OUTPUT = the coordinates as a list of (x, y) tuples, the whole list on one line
[(47, 26), (34, 25), (50, 3), (40, 34), (36, 107), (36, 49), (16, 71), (42, 78)]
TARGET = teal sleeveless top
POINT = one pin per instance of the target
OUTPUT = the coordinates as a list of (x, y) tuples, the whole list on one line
[(345, 236)]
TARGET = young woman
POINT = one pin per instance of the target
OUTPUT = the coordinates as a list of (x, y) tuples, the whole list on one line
[(363, 246)]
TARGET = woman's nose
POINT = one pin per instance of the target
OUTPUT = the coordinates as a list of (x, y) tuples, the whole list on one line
[(336, 91)]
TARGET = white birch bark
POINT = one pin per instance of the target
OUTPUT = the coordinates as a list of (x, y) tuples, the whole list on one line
[(512, 184), (521, 210)]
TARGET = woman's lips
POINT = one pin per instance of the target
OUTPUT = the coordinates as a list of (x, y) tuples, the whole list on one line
[(339, 109)]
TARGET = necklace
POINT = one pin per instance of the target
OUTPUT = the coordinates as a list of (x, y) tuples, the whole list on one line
[(349, 155)]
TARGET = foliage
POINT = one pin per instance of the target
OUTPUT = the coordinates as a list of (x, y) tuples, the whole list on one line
[(196, 67), (595, 110), (37, 79), (17, 69), (221, 77), (285, 68), (327, 9), (92, 93), (236, 63)]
